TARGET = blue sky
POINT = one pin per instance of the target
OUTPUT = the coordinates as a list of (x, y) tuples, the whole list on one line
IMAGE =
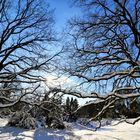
[(63, 11)]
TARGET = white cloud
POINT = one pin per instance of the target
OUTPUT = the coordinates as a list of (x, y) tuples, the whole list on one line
[(53, 80)]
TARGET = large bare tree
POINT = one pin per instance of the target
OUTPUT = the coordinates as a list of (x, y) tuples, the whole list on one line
[(25, 33), (105, 48)]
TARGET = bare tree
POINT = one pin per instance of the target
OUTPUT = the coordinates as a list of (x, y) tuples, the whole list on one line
[(105, 49), (25, 33)]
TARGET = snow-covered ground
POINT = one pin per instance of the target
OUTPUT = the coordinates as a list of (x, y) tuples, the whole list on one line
[(122, 131)]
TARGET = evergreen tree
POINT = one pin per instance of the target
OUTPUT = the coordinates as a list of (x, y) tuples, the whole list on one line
[(71, 106)]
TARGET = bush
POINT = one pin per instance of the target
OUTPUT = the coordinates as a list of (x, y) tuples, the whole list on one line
[(56, 124), (23, 120), (4, 112)]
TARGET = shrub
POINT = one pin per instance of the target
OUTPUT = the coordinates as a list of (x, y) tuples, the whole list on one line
[(23, 120), (56, 124)]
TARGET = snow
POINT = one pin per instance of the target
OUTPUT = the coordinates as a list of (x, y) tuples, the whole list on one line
[(75, 131), (40, 123), (121, 131)]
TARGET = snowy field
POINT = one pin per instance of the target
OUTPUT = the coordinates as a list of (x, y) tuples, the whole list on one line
[(122, 131)]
